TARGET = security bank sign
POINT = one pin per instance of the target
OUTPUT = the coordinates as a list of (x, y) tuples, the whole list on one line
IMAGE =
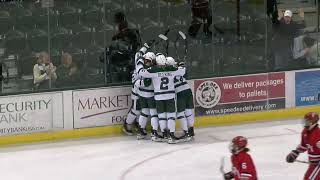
[(29, 113), (101, 107)]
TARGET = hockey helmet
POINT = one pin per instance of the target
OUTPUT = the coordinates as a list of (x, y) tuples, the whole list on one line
[(149, 59), (170, 61), (238, 144), (150, 56), (310, 119), (161, 60)]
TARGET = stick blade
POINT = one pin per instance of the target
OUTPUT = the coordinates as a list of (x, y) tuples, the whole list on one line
[(182, 35), (163, 37), (222, 165)]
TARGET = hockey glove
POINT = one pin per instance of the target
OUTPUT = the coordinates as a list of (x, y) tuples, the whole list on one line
[(134, 77), (149, 44), (291, 157), (181, 64), (228, 176)]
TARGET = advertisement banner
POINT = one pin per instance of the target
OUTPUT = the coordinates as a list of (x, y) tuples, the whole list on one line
[(30, 113), (101, 107), (239, 94), (307, 88)]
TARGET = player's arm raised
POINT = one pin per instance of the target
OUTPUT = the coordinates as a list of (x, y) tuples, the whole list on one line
[(181, 71), (146, 74)]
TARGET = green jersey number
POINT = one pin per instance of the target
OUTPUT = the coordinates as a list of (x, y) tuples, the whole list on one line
[(164, 83)]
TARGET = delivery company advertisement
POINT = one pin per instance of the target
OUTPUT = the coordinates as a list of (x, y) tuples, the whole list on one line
[(226, 95)]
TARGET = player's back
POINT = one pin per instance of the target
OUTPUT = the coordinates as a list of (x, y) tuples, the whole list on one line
[(244, 166), (311, 141), (163, 82)]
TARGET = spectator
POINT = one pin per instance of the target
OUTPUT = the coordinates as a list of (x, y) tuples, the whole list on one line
[(130, 36), (301, 51), (43, 72), (285, 30), (201, 15), (314, 54), (120, 54), (67, 72)]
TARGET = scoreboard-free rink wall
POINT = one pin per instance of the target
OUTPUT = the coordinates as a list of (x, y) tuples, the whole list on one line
[(36, 117)]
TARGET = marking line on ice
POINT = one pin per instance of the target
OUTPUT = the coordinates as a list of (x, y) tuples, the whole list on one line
[(130, 169), (135, 166), (292, 130)]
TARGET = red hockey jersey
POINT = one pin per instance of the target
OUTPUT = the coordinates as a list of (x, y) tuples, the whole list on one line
[(243, 167), (310, 141)]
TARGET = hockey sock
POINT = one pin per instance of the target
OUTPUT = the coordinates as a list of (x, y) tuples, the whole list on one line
[(131, 117), (162, 121), (183, 121), (190, 117), (143, 118), (172, 125), (154, 119), (172, 122), (155, 123)]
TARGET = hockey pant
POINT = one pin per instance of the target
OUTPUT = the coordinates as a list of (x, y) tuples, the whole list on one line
[(145, 113), (134, 112), (313, 172)]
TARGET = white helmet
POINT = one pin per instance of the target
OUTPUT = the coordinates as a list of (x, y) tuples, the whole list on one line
[(161, 60), (150, 56), (170, 61)]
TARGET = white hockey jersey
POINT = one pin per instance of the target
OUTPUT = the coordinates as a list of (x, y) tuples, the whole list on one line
[(163, 80), (135, 78), (181, 84)]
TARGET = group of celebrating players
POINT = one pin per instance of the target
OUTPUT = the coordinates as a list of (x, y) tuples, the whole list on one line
[(160, 91)]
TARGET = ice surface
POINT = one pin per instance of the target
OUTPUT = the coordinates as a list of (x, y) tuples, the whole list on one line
[(124, 158)]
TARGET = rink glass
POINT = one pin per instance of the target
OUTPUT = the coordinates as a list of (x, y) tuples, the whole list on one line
[(243, 39)]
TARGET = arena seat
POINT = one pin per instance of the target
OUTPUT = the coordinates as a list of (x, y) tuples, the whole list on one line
[(67, 16), (37, 40), (81, 36), (23, 19), (6, 22), (60, 37), (15, 41), (92, 16)]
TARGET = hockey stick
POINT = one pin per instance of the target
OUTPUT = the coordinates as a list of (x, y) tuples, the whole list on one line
[(222, 166), (161, 38), (301, 161), (182, 36)]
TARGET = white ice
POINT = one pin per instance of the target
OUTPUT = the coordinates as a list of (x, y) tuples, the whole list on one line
[(124, 158)]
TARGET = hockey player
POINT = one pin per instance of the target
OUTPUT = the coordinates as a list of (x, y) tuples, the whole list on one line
[(242, 165), (135, 110), (135, 107), (147, 102), (310, 142), (184, 102), (163, 82)]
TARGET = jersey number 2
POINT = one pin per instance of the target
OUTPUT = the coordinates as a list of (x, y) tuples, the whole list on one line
[(164, 83)]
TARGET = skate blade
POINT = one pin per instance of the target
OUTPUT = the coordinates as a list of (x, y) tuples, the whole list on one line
[(186, 139), (126, 132), (157, 140), (139, 137), (164, 140), (173, 141)]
